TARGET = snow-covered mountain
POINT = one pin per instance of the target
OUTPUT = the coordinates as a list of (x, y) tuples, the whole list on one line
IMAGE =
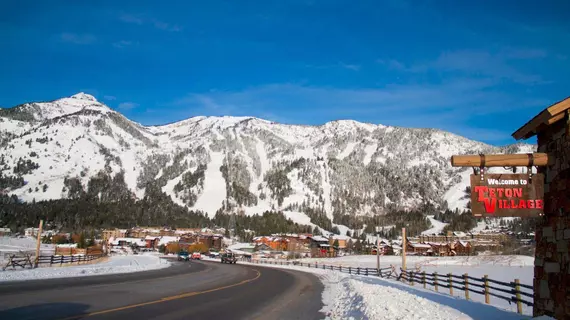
[(243, 164)]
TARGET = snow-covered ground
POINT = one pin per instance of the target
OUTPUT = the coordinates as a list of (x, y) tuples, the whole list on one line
[(10, 245), (115, 264), (360, 297), (501, 268), (437, 226)]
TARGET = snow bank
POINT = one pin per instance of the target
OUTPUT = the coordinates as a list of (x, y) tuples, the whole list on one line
[(360, 297), (115, 264)]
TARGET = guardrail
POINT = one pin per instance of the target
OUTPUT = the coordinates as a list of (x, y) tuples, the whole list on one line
[(483, 286), (28, 260)]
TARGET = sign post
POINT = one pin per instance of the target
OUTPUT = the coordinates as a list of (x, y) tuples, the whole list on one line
[(505, 195), (404, 245), (378, 253), (38, 244)]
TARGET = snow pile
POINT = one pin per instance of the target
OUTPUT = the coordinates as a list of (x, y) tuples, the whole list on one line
[(360, 297), (115, 264)]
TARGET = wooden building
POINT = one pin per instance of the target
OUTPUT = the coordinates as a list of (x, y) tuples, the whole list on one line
[(552, 271)]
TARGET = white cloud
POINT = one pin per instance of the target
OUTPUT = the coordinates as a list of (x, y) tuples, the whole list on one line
[(144, 19), (503, 65), (129, 18), (122, 44), (77, 38), (128, 105)]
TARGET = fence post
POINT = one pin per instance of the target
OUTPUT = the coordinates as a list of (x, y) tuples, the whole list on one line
[(61, 261), (411, 277), (435, 281), (51, 260), (366, 271), (349, 270), (518, 295), (358, 270), (450, 283), (424, 278), (485, 279), (466, 286)]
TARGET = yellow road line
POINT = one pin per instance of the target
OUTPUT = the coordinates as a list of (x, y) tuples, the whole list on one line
[(179, 296)]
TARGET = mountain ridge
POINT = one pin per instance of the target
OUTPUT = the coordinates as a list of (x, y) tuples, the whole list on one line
[(240, 164)]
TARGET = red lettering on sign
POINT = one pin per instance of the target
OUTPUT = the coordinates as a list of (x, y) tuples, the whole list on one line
[(490, 205), (517, 192), (501, 192)]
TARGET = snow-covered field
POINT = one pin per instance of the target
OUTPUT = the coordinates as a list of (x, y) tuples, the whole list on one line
[(501, 268), (13, 245), (360, 297), (115, 264)]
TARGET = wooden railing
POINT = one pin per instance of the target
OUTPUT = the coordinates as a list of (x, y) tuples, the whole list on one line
[(388, 272), (28, 261), (510, 291), (484, 286)]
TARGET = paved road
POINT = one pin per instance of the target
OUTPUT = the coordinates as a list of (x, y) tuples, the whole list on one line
[(196, 290)]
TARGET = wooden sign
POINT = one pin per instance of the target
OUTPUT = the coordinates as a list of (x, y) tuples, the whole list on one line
[(507, 195)]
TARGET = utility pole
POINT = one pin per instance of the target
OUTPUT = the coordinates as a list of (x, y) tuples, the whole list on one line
[(404, 245), (378, 252), (38, 244)]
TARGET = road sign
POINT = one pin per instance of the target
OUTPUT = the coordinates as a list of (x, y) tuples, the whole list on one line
[(507, 195)]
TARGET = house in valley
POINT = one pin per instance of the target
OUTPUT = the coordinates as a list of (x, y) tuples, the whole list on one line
[(320, 247), (463, 248), (417, 248)]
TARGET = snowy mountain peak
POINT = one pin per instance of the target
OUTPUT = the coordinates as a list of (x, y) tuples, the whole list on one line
[(84, 96), (339, 169)]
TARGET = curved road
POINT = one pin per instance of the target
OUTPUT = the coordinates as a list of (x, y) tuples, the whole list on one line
[(195, 290)]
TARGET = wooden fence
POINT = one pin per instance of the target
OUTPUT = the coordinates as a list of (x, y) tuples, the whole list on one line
[(28, 260), (510, 291)]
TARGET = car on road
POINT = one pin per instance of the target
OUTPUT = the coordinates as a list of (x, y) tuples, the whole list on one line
[(183, 256), (213, 254), (196, 256), (229, 257)]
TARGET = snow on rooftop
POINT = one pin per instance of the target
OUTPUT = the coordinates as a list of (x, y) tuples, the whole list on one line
[(238, 246), (320, 238), (164, 240)]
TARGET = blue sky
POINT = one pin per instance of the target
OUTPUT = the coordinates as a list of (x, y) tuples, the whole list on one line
[(479, 68)]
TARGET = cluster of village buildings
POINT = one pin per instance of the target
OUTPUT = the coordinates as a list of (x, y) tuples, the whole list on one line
[(296, 245)]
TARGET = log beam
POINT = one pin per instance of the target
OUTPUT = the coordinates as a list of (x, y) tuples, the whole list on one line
[(502, 160)]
